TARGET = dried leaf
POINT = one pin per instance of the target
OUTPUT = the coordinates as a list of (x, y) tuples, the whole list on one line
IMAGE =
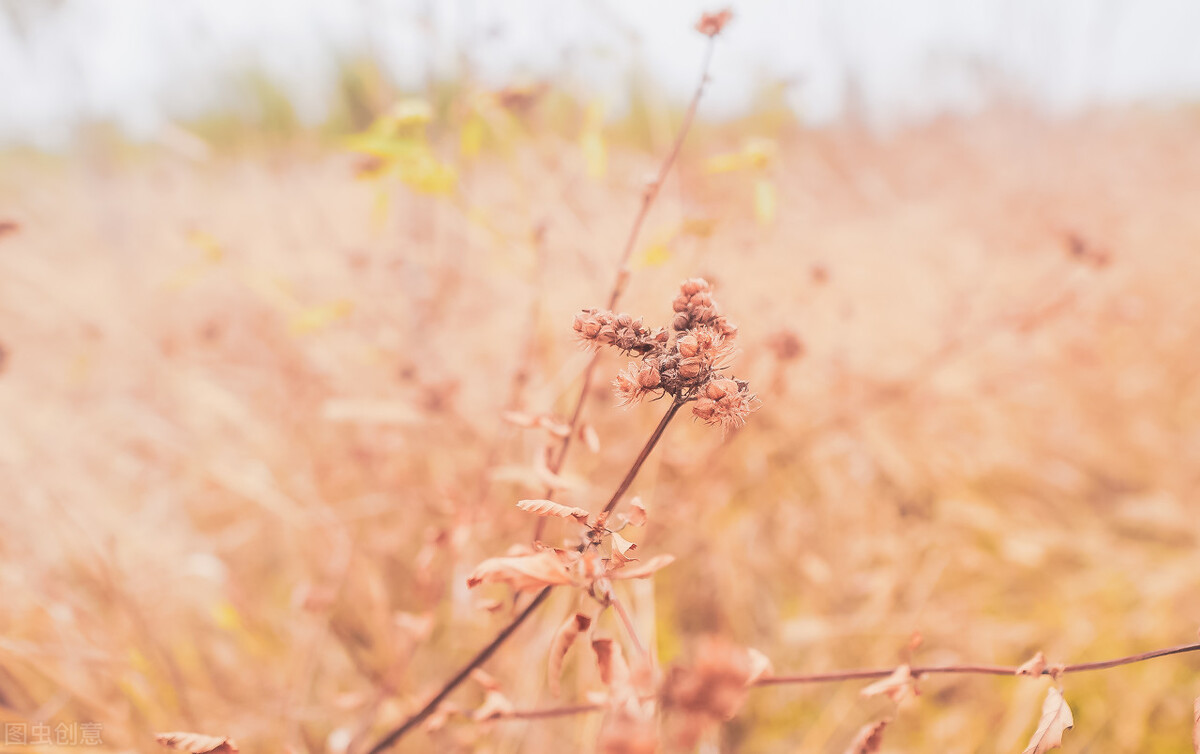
[(1056, 719), (520, 419), (643, 569), (527, 420), (622, 549), (563, 639), (485, 680), (558, 429), (1033, 666), (494, 705), (637, 514), (914, 642), (766, 201), (523, 572), (440, 717), (869, 738), (587, 433), (541, 468), (710, 24), (551, 508), (610, 660), (760, 666), (899, 686), (196, 743)]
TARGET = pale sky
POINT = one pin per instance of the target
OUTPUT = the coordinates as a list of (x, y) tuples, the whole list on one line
[(142, 63)]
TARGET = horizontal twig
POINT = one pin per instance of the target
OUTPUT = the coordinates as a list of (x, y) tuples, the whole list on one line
[(867, 674), (856, 675)]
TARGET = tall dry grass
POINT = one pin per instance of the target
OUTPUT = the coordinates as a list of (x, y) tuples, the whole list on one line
[(252, 446)]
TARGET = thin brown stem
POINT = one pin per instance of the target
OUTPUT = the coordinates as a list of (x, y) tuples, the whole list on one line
[(862, 675), (651, 192), (854, 675), (416, 719), (618, 287), (641, 459), (629, 628)]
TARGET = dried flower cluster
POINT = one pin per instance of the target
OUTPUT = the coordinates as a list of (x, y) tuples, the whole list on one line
[(686, 363), (711, 24)]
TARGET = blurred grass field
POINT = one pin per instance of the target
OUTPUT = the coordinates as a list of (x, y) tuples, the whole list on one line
[(252, 443)]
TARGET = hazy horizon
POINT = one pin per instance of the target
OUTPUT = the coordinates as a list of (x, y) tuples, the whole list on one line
[(142, 64)]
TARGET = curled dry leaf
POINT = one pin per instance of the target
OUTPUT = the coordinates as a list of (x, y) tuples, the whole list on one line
[(622, 549), (591, 440), (551, 508), (1033, 666), (541, 468), (914, 642), (637, 514), (610, 661), (520, 419), (760, 666), (536, 421), (494, 705), (523, 572), (869, 738), (563, 639), (1056, 719), (900, 686), (485, 680), (440, 717), (710, 24), (643, 569), (196, 743)]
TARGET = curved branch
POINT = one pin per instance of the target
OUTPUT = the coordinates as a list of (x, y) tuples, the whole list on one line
[(480, 658)]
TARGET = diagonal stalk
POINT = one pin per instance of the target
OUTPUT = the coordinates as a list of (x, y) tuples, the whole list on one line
[(480, 658)]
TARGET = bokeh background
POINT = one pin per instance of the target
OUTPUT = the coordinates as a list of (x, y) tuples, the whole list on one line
[(270, 276)]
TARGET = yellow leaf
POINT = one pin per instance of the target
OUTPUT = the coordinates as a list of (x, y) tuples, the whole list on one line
[(428, 176), (765, 201), (211, 249), (379, 210), (226, 616), (655, 255), (591, 142), (317, 318), (409, 112), (759, 152), (727, 162), (470, 138), (755, 154)]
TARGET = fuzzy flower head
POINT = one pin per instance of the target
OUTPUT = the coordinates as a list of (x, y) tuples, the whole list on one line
[(687, 362), (623, 332), (726, 404)]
